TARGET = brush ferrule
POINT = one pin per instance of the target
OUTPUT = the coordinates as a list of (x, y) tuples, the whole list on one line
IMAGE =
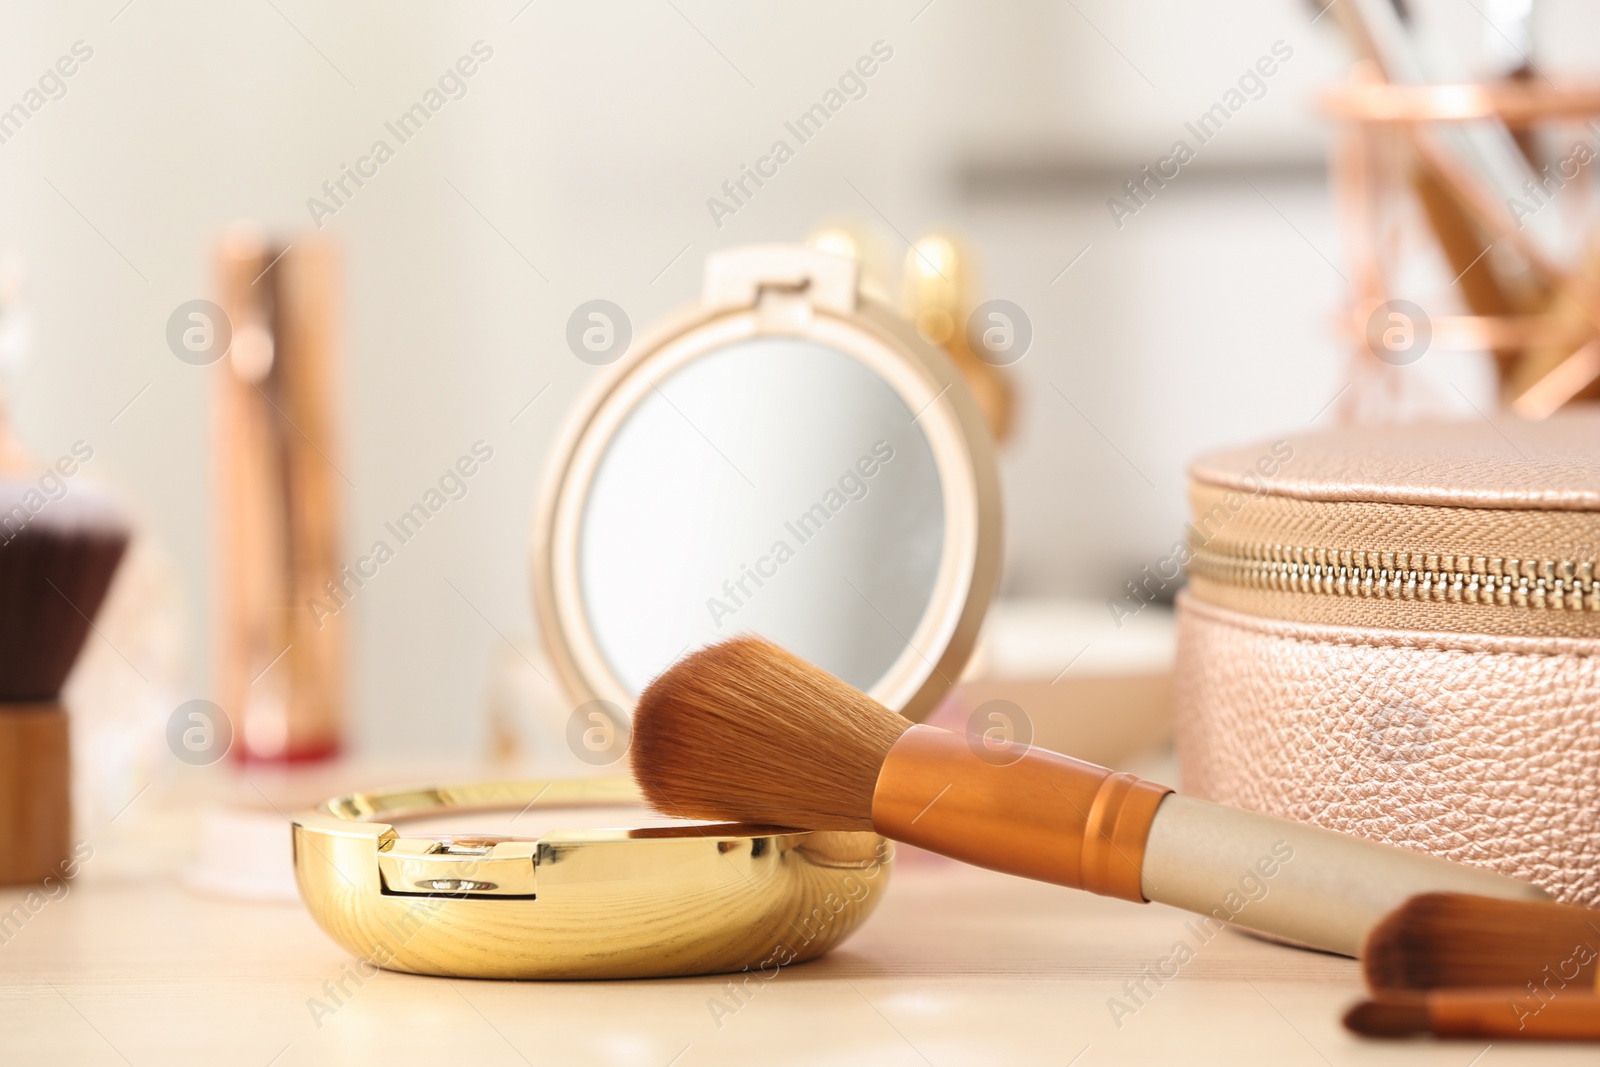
[(1025, 811)]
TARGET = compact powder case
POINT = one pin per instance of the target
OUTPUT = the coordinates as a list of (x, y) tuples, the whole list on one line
[(786, 457), (602, 903)]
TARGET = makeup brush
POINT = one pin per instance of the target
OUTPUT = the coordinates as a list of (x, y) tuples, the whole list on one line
[(1479, 1013), (59, 548), (746, 731), (1451, 939)]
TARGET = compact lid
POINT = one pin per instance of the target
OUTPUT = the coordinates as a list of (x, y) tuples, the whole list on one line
[(1496, 462), (786, 458)]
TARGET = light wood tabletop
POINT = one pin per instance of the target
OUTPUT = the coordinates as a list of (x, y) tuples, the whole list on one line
[(957, 966)]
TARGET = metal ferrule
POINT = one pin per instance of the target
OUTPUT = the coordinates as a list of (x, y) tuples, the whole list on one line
[(1025, 811)]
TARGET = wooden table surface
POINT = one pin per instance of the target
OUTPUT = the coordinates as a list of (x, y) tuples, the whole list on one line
[(958, 966)]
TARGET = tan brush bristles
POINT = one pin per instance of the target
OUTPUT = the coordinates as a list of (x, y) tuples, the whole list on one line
[(1389, 1017), (749, 732), (1441, 940)]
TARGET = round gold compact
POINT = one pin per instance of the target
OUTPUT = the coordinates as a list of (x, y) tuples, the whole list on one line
[(786, 457), (601, 903)]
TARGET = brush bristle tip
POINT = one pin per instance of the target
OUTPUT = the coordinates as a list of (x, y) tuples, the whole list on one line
[(747, 731)]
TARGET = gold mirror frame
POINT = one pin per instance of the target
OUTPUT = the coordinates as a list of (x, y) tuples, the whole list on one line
[(803, 293)]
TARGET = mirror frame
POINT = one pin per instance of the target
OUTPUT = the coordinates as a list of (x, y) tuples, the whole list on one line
[(797, 292)]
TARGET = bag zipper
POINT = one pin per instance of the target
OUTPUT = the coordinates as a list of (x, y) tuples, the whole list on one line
[(1551, 585)]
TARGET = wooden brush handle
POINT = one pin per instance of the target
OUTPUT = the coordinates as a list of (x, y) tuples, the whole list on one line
[(1041, 815), (35, 805), (1295, 882)]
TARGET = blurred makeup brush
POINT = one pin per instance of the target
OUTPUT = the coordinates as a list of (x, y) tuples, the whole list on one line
[(57, 557), (1452, 940), (1479, 1013), (749, 732)]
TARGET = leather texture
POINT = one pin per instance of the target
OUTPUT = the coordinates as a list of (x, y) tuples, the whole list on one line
[(1482, 749), (1549, 465)]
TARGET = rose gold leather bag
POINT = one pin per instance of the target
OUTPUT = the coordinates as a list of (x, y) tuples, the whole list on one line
[(1396, 632)]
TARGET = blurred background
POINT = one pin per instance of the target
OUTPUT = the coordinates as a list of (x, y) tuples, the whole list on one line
[(576, 163)]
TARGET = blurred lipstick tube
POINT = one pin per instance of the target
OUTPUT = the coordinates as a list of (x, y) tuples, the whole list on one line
[(281, 652)]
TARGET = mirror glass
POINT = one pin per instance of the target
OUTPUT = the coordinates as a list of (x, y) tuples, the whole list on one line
[(773, 486)]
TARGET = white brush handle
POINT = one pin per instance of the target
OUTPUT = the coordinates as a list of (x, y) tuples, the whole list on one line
[(1292, 881)]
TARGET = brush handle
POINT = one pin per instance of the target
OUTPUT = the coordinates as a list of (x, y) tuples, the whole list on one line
[(1514, 1013), (1293, 881), (35, 799), (1041, 815)]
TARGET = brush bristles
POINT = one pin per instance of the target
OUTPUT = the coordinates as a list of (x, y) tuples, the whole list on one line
[(57, 559), (1390, 1017), (1441, 940), (748, 732)]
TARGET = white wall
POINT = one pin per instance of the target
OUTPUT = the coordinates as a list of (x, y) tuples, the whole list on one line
[(591, 141)]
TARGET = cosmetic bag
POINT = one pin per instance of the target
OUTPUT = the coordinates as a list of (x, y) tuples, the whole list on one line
[(1395, 632)]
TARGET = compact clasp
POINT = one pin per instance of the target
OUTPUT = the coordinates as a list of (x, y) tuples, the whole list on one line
[(458, 866)]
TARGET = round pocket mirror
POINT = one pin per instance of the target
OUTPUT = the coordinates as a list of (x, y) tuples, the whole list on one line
[(786, 458)]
